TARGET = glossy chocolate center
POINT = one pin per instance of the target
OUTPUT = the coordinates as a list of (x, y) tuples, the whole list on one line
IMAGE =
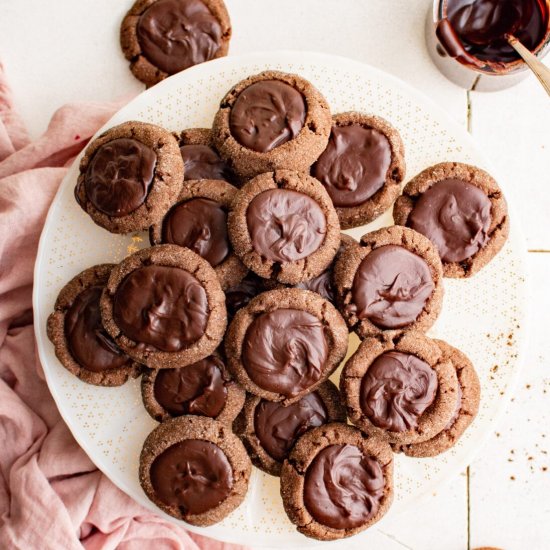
[(203, 163), (391, 287), (322, 284), (239, 295), (278, 427), (343, 487), (90, 345), (119, 176), (455, 216), (355, 164), (201, 225), (165, 308), (285, 351), (479, 27), (396, 390), (285, 226), (176, 34), (267, 114), (194, 475), (196, 389)]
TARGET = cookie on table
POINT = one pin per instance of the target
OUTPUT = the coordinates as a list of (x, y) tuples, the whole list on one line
[(285, 343), (462, 210), (81, 343), (200, 159), (269, 430), (204, 388), (271, 121), (392, 280), (129, 176), (198, 221), (163, 37), (362, 167), (337, 482), (195, 469), (283, 226), (239, 295), (164, 307), (400, 388), (465, 411)]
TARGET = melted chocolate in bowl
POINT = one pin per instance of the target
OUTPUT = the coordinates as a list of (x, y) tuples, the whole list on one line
[(396, 390), (194, 475), (278, 427), (343, 487), (285, 351), (176, 34), (196, 389), (474, 31)]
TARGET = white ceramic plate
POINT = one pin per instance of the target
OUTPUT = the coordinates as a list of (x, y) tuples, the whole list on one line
[(482, 316)]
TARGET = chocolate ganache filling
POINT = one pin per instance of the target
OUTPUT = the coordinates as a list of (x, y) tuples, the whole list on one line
[(396, 390), (203, 163), (239, 295), (322, 284), (278, 427), (267, 114), (285, 226), (391, 287), (165, 308), (89, 344), (119, 176), (201, 225), (285, 351), (176, 34), (455, 216), (355, 164), (343, 487), (194, 475), (195, 389)]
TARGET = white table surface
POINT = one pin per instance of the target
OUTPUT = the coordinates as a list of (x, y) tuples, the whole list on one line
[(67, 50)]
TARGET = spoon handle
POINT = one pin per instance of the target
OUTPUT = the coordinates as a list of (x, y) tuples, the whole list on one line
[(542, 72)]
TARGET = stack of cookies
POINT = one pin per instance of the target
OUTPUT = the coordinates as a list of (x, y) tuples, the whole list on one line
[(241, 309)]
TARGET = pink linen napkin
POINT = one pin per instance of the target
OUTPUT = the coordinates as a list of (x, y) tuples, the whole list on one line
[(51, 495)]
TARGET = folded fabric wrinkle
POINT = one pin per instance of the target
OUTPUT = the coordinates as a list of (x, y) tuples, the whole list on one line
[(51, 494)]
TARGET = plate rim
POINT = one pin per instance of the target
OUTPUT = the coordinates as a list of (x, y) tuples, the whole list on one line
[(273, 57)]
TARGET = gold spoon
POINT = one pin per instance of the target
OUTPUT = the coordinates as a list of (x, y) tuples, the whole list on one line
[(541, 71)]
